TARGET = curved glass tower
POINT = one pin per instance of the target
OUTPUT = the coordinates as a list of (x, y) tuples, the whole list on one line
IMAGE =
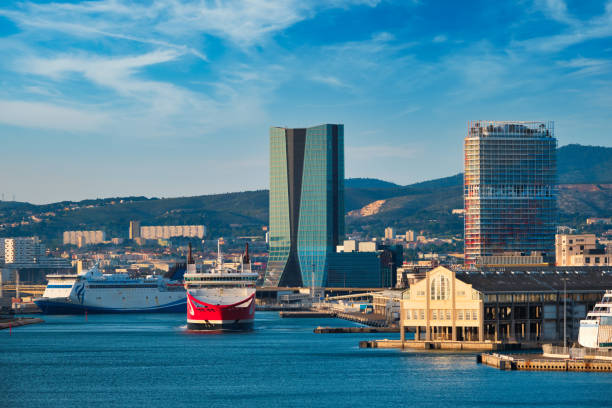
[(306, 203)]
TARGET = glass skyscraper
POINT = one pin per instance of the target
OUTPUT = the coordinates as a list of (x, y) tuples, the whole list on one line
[(306, 203), (509, 189)]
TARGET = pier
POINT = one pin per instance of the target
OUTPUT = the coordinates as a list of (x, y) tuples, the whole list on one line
[(470, 346), (20, 321), (539, 362), (356, 330)]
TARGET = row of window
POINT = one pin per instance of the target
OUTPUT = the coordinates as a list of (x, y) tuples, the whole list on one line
[(442, 314)]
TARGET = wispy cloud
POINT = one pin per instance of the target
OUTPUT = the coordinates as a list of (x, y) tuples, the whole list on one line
[(47, 116), (578, 31)]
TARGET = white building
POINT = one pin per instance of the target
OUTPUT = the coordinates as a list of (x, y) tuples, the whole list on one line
[(23, 250), (170, 231), (389, 233), (410, 236), (568, 247), (81, 238)]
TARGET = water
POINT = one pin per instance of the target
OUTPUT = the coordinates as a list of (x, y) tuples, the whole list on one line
[(149, 360)]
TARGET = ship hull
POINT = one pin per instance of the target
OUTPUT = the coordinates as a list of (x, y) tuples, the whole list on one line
[(237, 316), (63, 306)]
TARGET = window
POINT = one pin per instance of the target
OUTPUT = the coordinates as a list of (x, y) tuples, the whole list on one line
[(434, 314), (460, 315), (467, 315), (474, 315), (414, 314), (439, 288), (422, 314), (448, 315), (408, 315)]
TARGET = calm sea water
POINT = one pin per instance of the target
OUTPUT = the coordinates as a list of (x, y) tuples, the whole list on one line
[(150, 361)]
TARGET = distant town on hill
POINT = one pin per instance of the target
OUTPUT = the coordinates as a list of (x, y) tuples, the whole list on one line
[(585, 190)]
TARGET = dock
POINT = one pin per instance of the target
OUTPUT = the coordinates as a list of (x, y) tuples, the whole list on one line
[(530, 362), (19, 321), (356, 330), (306, 314), (470, 346)]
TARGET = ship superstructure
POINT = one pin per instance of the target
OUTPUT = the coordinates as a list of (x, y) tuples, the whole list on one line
[(596, 329), (222, 297), (96, 292)]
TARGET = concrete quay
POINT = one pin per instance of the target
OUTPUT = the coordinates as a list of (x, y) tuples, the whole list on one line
[(356, 330), (469, 346), (305, 314), (530, 362), (19, 321)]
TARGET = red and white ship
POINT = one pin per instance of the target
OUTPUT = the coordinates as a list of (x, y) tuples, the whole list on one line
[(222, 297)]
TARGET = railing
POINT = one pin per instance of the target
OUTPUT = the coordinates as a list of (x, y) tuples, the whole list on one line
[(575, 352)]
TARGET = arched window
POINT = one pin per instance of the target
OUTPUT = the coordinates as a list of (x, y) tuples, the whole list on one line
[(440, 288)]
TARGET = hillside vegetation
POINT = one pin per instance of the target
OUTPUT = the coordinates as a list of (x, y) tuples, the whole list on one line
[(585, 173)]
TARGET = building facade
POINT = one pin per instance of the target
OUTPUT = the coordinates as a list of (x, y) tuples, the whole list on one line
[(306, 203), (518, 305), (81, 238), (509, 189), (134, 230), (172, 231), (567, 246)]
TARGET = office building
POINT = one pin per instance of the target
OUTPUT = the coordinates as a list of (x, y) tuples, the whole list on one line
[(306, 203), (509, 189), (22, 250), (172, 231), (134, 229), (568, 246), (82, 238)]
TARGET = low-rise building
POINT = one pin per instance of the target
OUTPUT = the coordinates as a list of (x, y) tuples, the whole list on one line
[(567, 246), (501, 305), (172, 231), (82, 238)]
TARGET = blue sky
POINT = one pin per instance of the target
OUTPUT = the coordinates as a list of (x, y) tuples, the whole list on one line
[(175, 98)]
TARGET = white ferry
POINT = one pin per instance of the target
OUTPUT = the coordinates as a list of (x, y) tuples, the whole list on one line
[(95, 292), (596, 329)]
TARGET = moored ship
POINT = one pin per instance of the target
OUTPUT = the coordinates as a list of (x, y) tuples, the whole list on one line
[(222, 298), (96, 292), (596, 329)]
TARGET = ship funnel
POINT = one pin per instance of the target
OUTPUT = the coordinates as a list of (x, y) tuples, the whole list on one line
[(191, 266), (190, 256)]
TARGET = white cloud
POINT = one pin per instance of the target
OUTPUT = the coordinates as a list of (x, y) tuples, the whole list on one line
[(244, 22), (440, 38), (48, 116), (578, 31)]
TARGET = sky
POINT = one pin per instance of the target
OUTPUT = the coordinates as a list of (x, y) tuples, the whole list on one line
[(167, 98)]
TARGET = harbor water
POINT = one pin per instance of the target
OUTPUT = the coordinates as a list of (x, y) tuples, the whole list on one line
[(152, 361)]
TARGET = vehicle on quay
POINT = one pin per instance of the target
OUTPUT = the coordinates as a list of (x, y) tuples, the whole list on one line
[(221, 298), (97, 292), (596, 329)]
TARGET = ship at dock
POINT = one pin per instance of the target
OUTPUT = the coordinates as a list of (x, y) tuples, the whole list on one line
[(222, 298), (596, 330), (97, 292)]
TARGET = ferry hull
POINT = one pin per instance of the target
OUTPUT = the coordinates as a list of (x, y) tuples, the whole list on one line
[(65, 307), (206, 316)]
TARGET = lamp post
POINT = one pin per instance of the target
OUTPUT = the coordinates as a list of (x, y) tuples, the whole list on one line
[(564, 314)]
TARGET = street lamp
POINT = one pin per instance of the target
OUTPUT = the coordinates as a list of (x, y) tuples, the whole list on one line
[(564, 313)]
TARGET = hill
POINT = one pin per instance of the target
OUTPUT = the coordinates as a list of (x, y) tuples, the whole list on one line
[(371, 205)]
